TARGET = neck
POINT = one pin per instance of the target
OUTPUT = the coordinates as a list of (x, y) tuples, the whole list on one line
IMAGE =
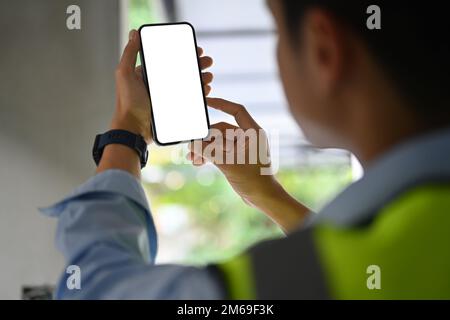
[(371, 146), (384, 127)]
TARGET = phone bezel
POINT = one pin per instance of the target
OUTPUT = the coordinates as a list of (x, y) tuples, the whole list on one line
[(144, 72)]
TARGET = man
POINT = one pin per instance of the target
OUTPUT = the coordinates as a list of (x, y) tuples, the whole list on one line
[(380, 93)]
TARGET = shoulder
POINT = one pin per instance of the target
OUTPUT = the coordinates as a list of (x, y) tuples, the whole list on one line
[(407, 239), (433, 199)]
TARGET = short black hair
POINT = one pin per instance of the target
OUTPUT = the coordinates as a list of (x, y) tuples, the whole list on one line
[(412, 44)]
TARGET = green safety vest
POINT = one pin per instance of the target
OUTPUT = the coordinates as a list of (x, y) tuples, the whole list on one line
[(387, 236)]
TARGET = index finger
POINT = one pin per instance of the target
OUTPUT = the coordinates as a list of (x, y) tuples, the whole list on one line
[(240, 114)]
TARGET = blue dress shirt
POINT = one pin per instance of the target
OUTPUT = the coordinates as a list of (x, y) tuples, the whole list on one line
[(106, 229)]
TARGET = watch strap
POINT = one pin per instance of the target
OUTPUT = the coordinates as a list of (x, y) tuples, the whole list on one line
[(123, 137)]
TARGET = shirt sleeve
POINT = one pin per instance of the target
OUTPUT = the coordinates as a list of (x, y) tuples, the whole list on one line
[(106, 230)]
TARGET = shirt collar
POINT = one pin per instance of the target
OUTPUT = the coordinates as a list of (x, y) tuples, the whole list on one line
[(421, 160)]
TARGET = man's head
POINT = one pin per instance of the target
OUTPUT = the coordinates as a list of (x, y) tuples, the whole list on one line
[(341, 78)]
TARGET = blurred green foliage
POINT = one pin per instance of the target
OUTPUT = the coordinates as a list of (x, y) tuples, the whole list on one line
[(223, 223), (139, 13)]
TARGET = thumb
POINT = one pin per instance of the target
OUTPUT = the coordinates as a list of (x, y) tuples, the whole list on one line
[(128, 61)]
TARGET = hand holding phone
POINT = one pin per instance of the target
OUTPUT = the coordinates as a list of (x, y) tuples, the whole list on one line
[(132, 98), (173, 77)]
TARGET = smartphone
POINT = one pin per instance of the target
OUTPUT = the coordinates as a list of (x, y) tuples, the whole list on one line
[(172, 75)]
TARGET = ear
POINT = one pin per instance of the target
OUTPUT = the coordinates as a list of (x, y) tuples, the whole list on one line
[(325, 50)]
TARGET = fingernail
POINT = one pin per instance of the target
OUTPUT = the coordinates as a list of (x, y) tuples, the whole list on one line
[(131, 35)]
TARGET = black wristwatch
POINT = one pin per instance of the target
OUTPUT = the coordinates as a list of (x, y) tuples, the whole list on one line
[(134, 141)]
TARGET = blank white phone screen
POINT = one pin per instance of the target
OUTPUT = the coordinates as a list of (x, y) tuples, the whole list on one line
[(173, 76)]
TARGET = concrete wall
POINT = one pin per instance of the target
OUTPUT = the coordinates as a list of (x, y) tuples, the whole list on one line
[(56, 93)]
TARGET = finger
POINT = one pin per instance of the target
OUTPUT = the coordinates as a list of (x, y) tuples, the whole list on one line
[(197, 160), (196, 152), (229, 134), (207, 77), (129, 56), (199, 51), (240, 114), (138, 72), (223, 126), (205, 62), (206, 89), (222, 138), (227, 130)]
